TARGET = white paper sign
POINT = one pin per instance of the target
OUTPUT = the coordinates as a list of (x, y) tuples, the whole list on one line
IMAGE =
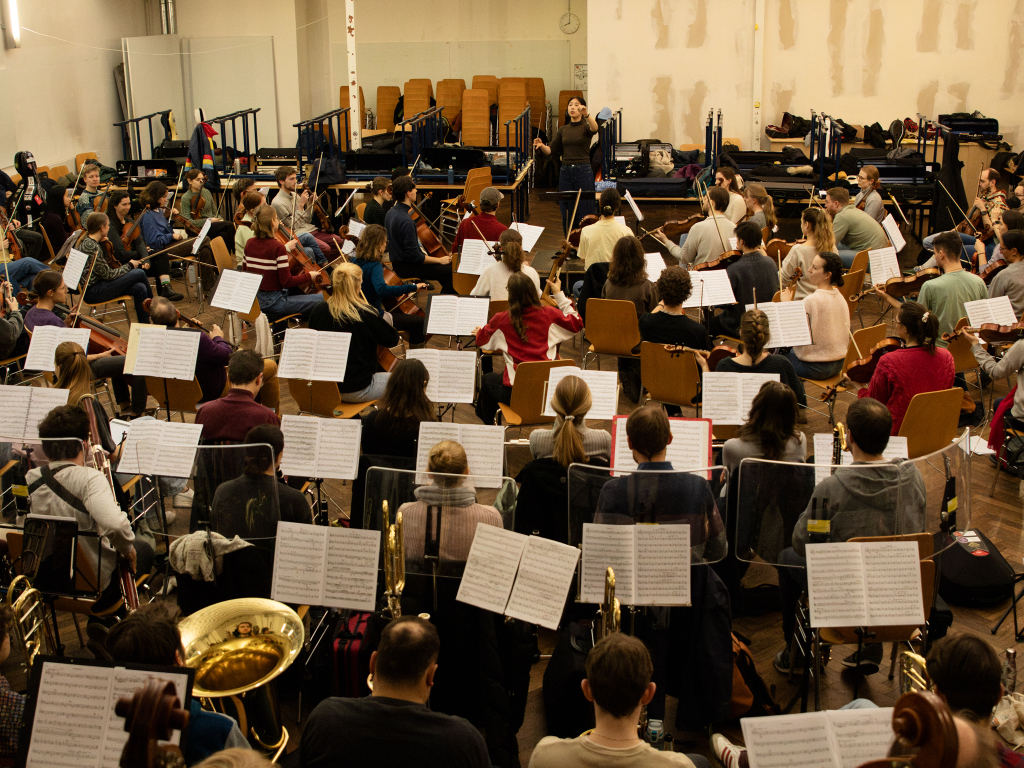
[(711, 288), (998, 311), (165, 448), (690, 447), (452, 374), (236, 291), (883, 264), (484, 446), (604, 391), (45, 339), (824, 442), (456, 315), (632, 204), (74, 267), (314, 355), (892, 229), (531, 234), (655, 266), (323, 448), (22, 408), (475, 258), (727, 396), (201, 236), (788, 323)]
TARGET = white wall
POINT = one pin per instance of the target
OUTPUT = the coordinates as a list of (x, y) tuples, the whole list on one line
[(862, 61), (60, 99)]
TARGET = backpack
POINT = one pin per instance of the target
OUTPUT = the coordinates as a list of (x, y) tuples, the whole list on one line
[(750, 696)]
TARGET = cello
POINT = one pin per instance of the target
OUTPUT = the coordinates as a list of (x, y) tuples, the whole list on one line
[(425, 233)]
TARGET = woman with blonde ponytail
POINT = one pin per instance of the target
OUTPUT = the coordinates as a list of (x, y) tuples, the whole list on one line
[(569, 440), (754, 358), (761, 207), (347, 311), (816, 226)]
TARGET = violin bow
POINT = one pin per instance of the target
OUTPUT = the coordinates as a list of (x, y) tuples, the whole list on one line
[(711, 213), (489, 250), (75, 187), (223, 196), (574, 209), (953, 200), (856, 348), (175, 195)]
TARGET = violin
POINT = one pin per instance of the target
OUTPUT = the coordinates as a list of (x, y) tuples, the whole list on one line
[(777, 249), (718, 353), (993, 333), (187, 320), (573, 241), (74, 219), (99, 202), (898, 287), (721, 262), (129, 232), (197, 205), (180, 220), (545, 297), (992, 269), (863, 369), (791, 286), (298, 261), (12, 241), (673, 230)]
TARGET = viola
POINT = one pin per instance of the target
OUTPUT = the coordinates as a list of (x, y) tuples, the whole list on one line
[(187, 320), (545, 297), (721, 262), (718, 353), (992, 269), (778, 249), (675, 229), (197, 205), (797, 274), (993, 333), (74, 219), (129, 231), (898, 287), (99, 202), (574, 235), (863, 369)]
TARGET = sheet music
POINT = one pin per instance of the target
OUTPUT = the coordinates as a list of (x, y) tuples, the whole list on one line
[(604, 391), (297, 352), (452, 374), (545, 574), (125, 682), (733, 243), (236, 291), (300, 563), (301, 436), (711, 288), (998, 311), (491, 568), (883, 264), (22, 408), (348, 247), (835, 585), (662, 564), (621, 220), (74, 267), (314, 355), (165, 353), (823, 443), (531, 234), (632, 204), (474, 258), (604, 546), (892, 229), (355, 227), (456, 315), (655, 266), (351, 572), (45, 339), (337, 456), (165, 448), (788, 323), (860, 735), (202, 234), (484, 446), (789, 741), (728, 396), (892, 578), (690, 446)]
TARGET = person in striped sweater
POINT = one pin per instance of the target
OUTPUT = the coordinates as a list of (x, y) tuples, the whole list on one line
[(265, 255), (528, 331)]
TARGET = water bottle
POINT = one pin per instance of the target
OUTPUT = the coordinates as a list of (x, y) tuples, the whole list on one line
[(451, 175), (655, 734), (191, 274)]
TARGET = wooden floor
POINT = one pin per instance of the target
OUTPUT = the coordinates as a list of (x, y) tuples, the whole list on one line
[(1000, 517)]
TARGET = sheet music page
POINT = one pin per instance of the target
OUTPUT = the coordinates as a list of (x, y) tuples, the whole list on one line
[(491, 568), (330, 360), (42, 402), (883, 264), (45, 339), (545, 575), (125, 682), (897, 448), (998, 311), (202, 234), (789, 741), (788, 322), (300, 563), (71, 716), (471, 312), (711, 288), (134, 333), (296, 361), (301, 438), (236, 290), (167, 353), (139, 450), (531, 234), (474, 258), (485, 449), (860, 735), (431, 359), (455, 377), (604, 390), (337, 457), (348, 247), (621, 220), (733, 243), (15, 403), (892, 229), (351, 569), (662, 564), (604, 546), (443, 315), (74, 267), (432, 433), (355, 227), (722, 397), (632, 204), (892, 577), (690, 446), (655, 266), (751, 384), (176, 452), (835, 584)]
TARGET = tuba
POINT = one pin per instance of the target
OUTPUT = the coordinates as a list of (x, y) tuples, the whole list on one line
[(237, 647)]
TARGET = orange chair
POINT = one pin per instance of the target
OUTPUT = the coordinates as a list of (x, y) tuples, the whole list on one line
[(488, 83), (476, 118), (537, 97), (449, 97), (417, 98), (343, 100), (511, 103), (387, 100)]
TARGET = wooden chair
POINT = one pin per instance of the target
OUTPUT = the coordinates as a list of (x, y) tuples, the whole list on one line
[(343, 98), (612, 328), (57, 171), (462, 283), (81, 157), (511, 103), (477, 180), (359, 211), (387, 100), (476, 118), (669, 377), (537, 96), (49, 245), (931, 420), (488, 83), (527, 401), (765, 234), (894, 634), (494, 307), (43, 169), (860, 261), (277, 326), (180, 396), (417, 98), (321, 398), (863, 340), (563, 103), (449, 97), (16, 178), (963, 358), (853, 282), (103, 306), (424, 81)]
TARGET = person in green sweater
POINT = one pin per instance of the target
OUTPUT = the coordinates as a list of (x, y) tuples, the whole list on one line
[(197, 206)]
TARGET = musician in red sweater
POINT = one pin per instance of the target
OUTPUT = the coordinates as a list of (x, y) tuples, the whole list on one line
[(485, 222), (919, 367), (265, 255), (526, 332)]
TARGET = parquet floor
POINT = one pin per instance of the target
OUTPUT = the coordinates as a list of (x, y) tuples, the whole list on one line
[(999, 516)]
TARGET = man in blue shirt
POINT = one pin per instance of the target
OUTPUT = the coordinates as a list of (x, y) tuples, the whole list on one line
[(407, 257)]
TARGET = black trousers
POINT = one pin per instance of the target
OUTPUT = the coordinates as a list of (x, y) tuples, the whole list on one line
[(34, 245), (442, 273), (492, 392)]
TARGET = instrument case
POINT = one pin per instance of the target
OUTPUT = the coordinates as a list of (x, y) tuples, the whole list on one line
[(660, 187), (973, 126)]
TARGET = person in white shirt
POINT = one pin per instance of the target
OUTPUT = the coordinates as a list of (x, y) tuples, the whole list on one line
[(708, 239), (494, 280), (829, 318), (816, 227), (729, 180), (598, 239)]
